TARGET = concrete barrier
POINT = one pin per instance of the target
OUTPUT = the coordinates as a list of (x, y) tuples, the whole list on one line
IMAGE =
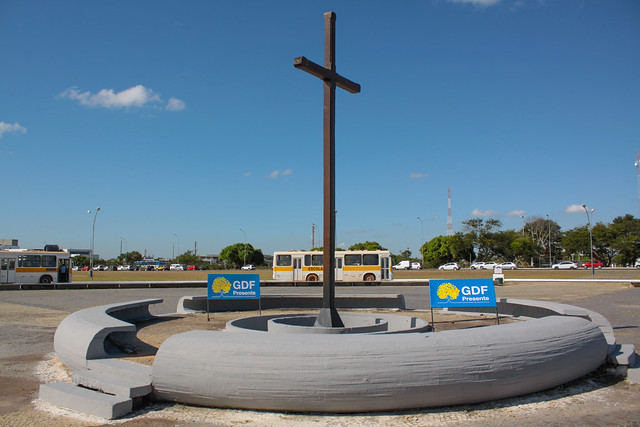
[(81, 335)]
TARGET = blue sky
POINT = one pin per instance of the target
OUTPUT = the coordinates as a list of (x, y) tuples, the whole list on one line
[(186, 121)]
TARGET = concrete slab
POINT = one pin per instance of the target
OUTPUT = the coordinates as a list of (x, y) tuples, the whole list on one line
[(124, 386), (85, 400)]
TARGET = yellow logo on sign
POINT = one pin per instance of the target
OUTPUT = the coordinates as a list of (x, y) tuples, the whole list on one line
[(448, 291), (221, 285)]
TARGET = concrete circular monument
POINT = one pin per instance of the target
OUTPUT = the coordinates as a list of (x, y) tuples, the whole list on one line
[(302, 368)]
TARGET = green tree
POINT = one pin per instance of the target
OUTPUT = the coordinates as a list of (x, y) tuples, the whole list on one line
[(81, 261), (625, 232), (576, 241), (443, 249), (240, 254), (367, 246), (129, 258), (480, 233), (188, 258)]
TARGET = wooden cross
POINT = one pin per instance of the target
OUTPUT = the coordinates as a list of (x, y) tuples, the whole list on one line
[(328, 316)]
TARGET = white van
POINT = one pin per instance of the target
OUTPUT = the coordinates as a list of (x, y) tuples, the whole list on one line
[(403, 265)]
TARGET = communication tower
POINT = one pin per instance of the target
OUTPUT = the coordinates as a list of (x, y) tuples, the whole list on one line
[(449, 218)]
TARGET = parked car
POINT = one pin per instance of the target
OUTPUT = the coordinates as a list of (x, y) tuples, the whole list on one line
[(508, 265), (85, 268), (565, 265), (416, 266), (488, 265), (191, 267), (450, 266), (596, 264), (248, 267), (637, 264), (402, 265), (176, 267), (477, 265)]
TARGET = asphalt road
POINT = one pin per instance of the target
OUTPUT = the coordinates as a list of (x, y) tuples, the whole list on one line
[(28, 320)]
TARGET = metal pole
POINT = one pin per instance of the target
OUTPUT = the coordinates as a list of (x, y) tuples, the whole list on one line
[(590, 238), (93, 236), (549, 224), (244, 246), (421, 239)]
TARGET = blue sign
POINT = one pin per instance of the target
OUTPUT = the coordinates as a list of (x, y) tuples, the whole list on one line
[(233, 286), (462, 293)]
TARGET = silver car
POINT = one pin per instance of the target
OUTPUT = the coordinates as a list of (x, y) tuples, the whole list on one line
[(450, 266), (565, 265)]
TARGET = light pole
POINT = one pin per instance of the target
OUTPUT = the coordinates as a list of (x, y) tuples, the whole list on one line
[(549, 224), (590, 237), (523, 217), (178, 238), (244, 245), (93, 237), (637, 165), (421, 239)]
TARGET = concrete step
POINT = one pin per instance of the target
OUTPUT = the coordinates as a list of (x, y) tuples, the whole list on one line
[(121, 369), (85, 400), (123, 386), (624, 354)]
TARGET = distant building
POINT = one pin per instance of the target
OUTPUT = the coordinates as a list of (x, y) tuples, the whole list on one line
[(83, 252), (9, 244), (211, 259)]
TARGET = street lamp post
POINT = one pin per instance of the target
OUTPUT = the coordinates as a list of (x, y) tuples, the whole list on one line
[(549, 224), (421, 239), (590, 237), (244, 246), (93, 236)]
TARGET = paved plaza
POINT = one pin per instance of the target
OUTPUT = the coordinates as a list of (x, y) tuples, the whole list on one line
[(28, 320)]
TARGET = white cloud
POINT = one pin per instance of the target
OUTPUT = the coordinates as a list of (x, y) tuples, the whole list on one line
[(175, 104), (480, 212), (278, 173), (134, 97), (574, 209), (517, 212), (14, 128), (248, 173), (477, 2), (419, 175)]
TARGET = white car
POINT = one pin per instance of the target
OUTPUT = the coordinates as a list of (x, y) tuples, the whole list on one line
[(177, 267), (565, 265), (508, 265), (416, 266), (247, 267), (477, 265), (450, 266), (488, 265)]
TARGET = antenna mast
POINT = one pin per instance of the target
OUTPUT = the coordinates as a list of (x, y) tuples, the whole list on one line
[(449, 218)]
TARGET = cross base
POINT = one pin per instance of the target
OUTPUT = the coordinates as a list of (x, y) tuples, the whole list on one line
[(329, 318)]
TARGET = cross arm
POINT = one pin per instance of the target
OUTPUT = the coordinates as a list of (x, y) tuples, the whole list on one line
[(323, 73)]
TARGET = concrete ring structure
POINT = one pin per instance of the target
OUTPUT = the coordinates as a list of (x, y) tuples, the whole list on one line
[(365, 372), (330, 372)]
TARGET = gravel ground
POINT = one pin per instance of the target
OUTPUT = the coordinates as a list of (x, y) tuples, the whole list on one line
[(28, 320)]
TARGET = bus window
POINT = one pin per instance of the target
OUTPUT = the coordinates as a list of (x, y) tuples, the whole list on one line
[(316, 260), (49, 261), (370, 259), (29, 261), (283, 260), (353, 259)]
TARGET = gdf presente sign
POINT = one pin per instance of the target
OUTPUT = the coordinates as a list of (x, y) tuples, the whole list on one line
[(233, 286), (462, 293)]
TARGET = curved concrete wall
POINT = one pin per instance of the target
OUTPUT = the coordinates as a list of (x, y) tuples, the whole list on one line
[(330, 373), (81, 335)]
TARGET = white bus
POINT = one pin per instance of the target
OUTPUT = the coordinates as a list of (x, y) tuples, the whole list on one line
[(51, 265), (353, 266)]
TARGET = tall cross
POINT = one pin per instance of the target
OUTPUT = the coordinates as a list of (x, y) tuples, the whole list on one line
[(328, 316)]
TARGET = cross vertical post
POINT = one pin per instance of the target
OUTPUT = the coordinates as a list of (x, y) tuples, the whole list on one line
[(328, 316)]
